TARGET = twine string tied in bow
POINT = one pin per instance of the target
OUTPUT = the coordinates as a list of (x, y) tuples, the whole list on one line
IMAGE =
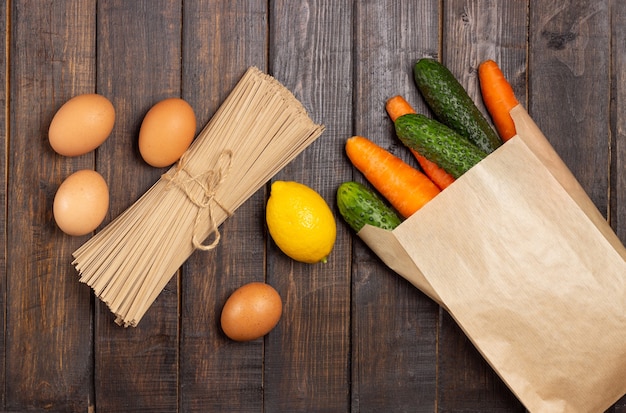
[(209, 182)]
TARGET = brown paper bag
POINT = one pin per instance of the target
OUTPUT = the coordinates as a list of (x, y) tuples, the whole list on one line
[(521, 258)]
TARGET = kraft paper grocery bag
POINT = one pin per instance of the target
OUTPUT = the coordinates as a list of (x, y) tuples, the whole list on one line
[(520, 257)]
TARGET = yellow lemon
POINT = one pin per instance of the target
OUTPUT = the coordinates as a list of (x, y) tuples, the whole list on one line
[(300, 222)]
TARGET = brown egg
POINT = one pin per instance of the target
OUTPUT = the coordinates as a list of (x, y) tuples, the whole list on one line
[(81, 202), (81, 125), (251, 312), (166, 132)]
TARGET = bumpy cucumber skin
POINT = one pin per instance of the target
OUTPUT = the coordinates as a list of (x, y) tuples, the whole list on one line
[(439, 143), (452, 105), (358, 205)]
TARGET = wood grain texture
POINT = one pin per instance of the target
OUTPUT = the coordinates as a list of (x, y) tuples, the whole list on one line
[(473, 32), (398, 355), (219, 374), (307, 359), (136, 72), (618, 120), (48, 357), (4, 119), (569, 87)]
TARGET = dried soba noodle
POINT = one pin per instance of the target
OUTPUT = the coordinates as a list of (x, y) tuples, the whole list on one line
[(258, 129)]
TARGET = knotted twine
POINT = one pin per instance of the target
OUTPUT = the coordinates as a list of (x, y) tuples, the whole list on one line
[(209, 182)]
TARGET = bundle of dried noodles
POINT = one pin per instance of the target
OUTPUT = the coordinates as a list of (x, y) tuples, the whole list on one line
[(258, 129)]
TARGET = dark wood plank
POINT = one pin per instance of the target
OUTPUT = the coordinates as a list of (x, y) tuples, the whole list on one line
[(473, 32), (218, 374), (139, 52), (394, 325), (48, 355), (569, 87), (4, 102), (617, 211), (617, 195), (307, 359)]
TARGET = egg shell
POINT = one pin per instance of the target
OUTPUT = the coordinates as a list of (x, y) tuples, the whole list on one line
[(166, 132), (251, 312), (81, 125), (81, 202)]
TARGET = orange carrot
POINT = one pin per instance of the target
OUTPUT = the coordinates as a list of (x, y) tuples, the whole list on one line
[(438, 175), (398, 106), (499, 98), (406, 188)]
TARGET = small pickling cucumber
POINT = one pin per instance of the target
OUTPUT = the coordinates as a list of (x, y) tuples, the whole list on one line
[(452, 105), (437, 142), (359, 205)]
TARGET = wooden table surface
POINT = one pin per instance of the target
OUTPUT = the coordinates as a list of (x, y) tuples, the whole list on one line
[(354, 336)]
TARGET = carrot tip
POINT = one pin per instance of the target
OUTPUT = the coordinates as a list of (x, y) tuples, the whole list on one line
[(397, 106)]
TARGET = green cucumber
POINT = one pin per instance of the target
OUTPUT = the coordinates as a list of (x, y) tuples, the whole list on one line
[(439, 143), (358, 205), (452, 105)]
